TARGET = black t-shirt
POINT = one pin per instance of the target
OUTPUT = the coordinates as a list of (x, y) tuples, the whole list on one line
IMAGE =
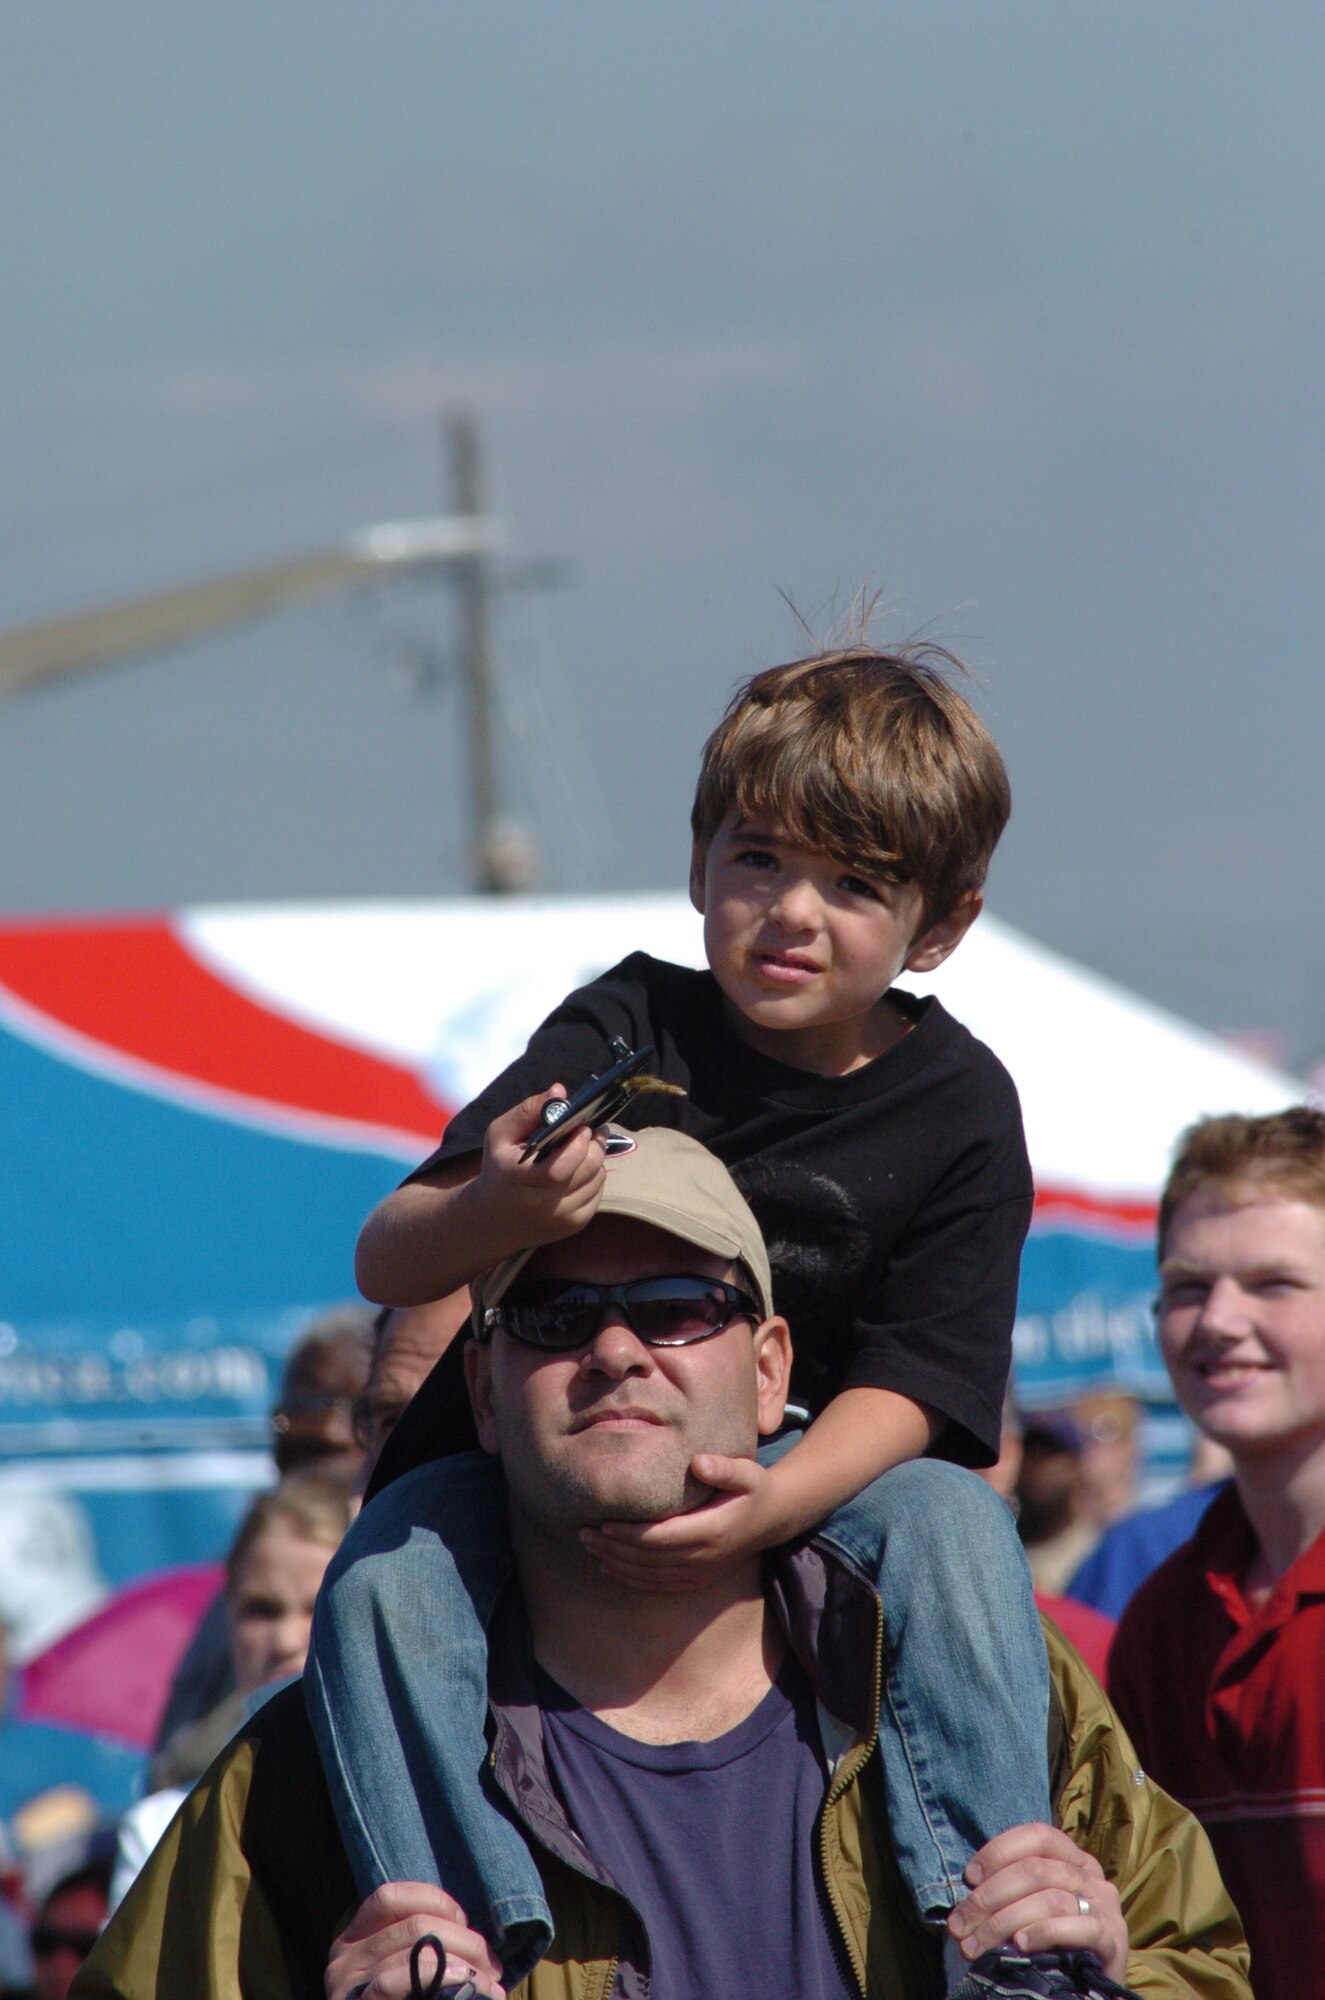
[(894, 1201), (714, 1844)]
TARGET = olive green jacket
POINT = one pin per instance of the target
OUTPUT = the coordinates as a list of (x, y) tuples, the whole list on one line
[(250, 1884)]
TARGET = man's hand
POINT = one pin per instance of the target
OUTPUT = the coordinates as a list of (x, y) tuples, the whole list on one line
[(370, 1958), (532, 1202), (687, 1551), (1026, 1890)]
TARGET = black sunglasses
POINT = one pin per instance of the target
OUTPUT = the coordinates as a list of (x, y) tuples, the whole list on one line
[(564, 1313), (46, 1939)]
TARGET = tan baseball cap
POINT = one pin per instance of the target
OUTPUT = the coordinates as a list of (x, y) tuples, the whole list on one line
[(669, 1180)]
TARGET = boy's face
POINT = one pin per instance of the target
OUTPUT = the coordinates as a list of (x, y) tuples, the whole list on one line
[(804, 948), (1242, 1321)]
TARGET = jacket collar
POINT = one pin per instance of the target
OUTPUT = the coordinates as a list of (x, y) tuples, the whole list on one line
[(833, 1622)]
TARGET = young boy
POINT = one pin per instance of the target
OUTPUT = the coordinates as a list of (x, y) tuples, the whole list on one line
[(846, 811), (1216, 1667)]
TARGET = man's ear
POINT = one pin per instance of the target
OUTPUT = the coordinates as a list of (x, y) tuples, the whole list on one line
[(929, 950), (478, 1380), (772, 1338), (698, 856)]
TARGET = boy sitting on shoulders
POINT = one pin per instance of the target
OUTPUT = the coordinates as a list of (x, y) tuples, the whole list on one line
[(846, 812)]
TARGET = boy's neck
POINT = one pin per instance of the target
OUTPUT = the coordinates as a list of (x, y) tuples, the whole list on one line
[(1283, 1497), (831, 1048)]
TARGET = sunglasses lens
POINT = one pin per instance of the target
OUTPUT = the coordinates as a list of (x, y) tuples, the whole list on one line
[(671, 1317), (45, 1941), (662, 1312), (560, 1316)]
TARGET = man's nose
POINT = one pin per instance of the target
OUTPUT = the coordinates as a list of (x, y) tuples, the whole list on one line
[(616, 1349)]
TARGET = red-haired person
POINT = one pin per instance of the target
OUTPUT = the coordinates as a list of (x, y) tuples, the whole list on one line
[(1218, 1667)]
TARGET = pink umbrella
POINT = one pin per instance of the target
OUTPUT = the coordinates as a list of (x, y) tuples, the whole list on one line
[(110, 1675)]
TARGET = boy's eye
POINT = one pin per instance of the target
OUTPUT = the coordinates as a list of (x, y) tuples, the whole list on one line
[(1182, 1292), (755, 857), (856, 885)]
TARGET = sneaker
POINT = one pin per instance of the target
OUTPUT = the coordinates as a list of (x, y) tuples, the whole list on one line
[(1043, 1975)]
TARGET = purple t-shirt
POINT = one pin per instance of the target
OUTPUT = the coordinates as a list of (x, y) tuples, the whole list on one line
[(715, 1844)]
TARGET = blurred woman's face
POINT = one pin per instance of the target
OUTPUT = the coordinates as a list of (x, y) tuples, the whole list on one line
[(271, 1606)]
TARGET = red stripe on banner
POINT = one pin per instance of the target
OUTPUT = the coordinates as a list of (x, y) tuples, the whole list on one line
[(135, 989), (1068, 1206)]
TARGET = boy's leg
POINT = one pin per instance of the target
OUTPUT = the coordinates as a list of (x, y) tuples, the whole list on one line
[(397, 1691), (963, 1733)]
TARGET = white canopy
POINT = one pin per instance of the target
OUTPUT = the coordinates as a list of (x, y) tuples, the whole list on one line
[(1107, 1080)]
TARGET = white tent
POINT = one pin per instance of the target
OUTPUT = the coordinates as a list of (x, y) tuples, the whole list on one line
[(1106, 1079)]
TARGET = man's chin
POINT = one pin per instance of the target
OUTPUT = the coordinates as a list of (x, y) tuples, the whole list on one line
[(637, 1476), (644, 1499)]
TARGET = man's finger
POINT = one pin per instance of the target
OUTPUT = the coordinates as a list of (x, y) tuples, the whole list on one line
[(1049, 1920), (1033, 1873), (377, 1966), (394, 1902), (1018, 1843)]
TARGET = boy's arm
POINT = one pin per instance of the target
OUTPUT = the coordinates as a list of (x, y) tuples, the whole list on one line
[(422, 1241), (861, 1433), (437, 1233)]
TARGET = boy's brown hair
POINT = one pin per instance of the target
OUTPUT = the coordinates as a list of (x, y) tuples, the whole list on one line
[(874, 758), (1239, 1158)]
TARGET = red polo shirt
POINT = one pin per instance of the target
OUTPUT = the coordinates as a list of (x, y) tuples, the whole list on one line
[(1227, 1709)]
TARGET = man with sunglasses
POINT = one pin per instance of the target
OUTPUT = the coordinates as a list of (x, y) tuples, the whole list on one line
[(691, 1769), (66, 1928)]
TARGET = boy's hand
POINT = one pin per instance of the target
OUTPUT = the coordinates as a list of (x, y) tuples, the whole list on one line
[(1028, 1885), (686, 1551), (540, 1200), (370, 1958)]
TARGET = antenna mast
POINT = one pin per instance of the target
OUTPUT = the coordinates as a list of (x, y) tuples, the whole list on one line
[(502, 861)]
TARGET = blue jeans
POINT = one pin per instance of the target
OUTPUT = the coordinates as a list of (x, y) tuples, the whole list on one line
[(396, 1684)]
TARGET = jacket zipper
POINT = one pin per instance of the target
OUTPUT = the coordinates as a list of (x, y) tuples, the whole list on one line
[(852, 1764)]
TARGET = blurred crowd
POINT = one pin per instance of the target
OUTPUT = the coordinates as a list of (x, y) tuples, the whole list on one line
[(62, 1868), (1069, 1474)]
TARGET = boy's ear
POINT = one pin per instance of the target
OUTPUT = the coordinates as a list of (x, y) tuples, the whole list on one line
[(697, 858), (941, 939)]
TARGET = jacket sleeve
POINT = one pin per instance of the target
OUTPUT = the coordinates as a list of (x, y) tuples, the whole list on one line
[(1186, 1936), (195, 1925)]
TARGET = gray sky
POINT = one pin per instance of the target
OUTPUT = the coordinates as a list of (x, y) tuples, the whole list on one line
[(1014, 312)]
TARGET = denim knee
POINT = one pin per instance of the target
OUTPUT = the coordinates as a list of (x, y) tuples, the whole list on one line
[(925, 1512), (423, 1564)]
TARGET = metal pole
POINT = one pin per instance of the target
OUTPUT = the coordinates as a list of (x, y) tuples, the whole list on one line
[(472, 587)]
